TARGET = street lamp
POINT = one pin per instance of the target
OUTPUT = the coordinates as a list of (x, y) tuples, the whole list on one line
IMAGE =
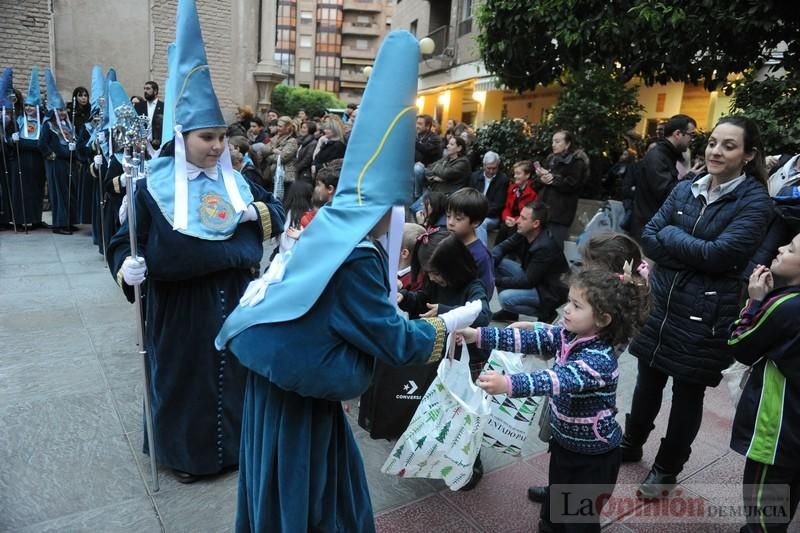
[(367, 71), (426, 46)]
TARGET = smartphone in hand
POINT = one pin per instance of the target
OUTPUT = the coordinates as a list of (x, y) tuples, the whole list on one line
[(537, 165)]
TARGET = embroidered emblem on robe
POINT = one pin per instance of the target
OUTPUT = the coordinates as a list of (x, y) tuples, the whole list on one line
[(216, 212)]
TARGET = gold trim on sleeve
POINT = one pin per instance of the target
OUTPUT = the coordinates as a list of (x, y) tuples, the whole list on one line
[(119, 275), (438, 341), (265, 218), (115, 183)]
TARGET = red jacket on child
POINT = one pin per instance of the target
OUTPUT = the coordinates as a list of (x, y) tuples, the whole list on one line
[(517, 198)]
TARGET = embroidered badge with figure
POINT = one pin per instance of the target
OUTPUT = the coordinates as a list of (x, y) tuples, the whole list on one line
[(216, 212)]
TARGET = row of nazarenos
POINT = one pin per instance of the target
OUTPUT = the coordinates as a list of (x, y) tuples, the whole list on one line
[(52, 152)]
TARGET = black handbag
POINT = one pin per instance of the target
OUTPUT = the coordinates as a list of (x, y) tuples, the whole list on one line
[(389, 404)]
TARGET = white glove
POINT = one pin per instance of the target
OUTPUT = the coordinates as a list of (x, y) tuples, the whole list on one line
[(461, 317), (15, 137), (101, 136), (258, 288), (123, 210), (123, 180), (71, 147), (134, 270), (98, 161), (250, 214)]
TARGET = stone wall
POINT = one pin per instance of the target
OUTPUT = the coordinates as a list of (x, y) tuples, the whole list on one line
[(132, 37), (25, 38)]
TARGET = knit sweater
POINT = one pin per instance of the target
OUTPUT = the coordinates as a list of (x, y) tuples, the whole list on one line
[(582, 384)]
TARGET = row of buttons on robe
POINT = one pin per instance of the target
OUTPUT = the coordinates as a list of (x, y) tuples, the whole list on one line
[(222, 362)]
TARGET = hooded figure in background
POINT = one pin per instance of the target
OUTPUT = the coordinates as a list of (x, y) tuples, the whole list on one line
[(200, 228), (58, 143), (7, 163), (312, 328), (31, 162)]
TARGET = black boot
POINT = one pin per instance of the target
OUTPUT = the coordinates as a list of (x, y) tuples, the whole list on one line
[(631, 445), (477, 474), (537, 493), (658, 483)]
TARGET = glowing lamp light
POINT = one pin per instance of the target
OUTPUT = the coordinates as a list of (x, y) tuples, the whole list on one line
[(427, 46), (420, 103), (367, 71), (479, 96), (444, 98)]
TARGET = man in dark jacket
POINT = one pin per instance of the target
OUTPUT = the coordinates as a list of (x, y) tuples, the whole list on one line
[(151, 106), (494, 185), (428, 148), (533, 286), (658, 173)]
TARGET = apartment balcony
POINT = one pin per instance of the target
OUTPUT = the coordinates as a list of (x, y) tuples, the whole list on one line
[(364, 29), (373, 6), (351, 76), (358, 53), (443, 56)]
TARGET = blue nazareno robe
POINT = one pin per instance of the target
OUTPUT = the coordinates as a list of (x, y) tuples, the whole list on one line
[(192, 285), (62, 174), (29, 195), (300, 468)]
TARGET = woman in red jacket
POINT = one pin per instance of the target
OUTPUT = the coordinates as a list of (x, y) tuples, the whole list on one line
[(520, 193)]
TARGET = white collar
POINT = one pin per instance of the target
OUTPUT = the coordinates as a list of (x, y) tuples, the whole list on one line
[(193, 171)]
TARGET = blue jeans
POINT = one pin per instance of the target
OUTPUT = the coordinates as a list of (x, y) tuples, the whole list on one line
[(521, 301), (418, 181), (486, 226)]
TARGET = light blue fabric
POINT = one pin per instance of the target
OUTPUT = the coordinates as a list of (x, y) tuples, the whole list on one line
[(98, 88), (6, 84), (374, 178), (54, 99), (195, 104), (34, 96), (109, 110), (118, 101), (211, 213), (168, 122)]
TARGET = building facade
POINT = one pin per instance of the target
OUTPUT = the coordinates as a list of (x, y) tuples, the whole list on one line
[(454, 83), (325, 44), (70, 37)]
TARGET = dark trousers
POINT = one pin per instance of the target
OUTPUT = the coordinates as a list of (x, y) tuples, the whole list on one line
[(586, 476), (685, 416), (765, 485)]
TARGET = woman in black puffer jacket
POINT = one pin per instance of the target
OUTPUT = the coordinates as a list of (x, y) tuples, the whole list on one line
[(701, 240)]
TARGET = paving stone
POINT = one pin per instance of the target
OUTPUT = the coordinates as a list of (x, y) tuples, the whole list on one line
[(136, 515), (52, 481)]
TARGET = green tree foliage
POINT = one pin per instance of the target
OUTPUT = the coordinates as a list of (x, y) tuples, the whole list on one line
[(774, 103), (597, 108), (526, 43), (512, 139), (289, 100)]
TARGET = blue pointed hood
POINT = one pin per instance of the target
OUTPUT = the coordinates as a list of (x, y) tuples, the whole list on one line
[(195, 104), (54, 99), (6, 86), (34, 96), (108, 111), (374, 179), (119, 100), (98, 88), (168, 123)]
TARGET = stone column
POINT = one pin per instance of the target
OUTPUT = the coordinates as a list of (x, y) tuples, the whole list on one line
[(267, 72)]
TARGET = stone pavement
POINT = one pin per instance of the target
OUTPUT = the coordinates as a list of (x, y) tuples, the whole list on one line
[(70, 409)]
